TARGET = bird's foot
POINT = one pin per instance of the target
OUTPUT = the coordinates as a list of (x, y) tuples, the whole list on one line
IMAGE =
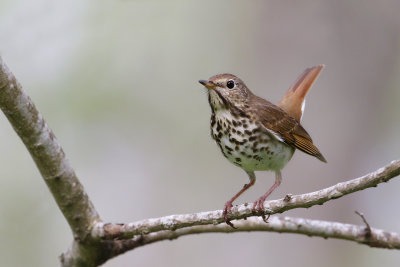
[(227, 210), (258, 207)]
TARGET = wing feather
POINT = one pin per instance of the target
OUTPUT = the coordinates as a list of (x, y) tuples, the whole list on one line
[(275, 119)]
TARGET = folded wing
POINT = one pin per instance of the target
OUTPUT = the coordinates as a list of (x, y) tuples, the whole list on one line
[(275, 119)]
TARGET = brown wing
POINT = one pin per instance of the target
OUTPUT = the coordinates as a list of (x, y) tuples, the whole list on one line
[(286, 127)]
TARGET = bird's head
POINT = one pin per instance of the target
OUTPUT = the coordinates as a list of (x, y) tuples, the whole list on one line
[(226, 90)]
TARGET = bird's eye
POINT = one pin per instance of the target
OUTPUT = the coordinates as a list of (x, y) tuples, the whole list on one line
[(230, 84)]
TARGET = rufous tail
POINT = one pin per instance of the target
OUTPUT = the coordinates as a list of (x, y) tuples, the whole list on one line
[(293, 101)]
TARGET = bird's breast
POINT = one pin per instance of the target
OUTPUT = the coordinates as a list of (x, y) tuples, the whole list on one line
[(247, 144)]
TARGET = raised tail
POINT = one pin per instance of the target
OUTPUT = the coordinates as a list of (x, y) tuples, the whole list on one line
[(293, 101)]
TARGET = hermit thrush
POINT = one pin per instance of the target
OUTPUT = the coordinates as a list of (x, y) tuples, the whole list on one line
[(255, 134)]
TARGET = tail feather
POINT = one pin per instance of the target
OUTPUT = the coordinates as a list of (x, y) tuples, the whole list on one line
[(293, 101)]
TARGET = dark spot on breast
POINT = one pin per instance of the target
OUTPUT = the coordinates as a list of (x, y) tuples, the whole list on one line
[(237, 142), (257, 157), (255, 130), (228, 148), (252, 138), (212, 121), (247, 132), (220, 147), (245, 125), (212, 134), (219, 135), (238, 159), (255, 144), (219, 128)]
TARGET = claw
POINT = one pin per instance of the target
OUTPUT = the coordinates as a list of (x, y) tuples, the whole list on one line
[(228, 222), (262, 210), (265, 219), (258, 208), (227, 210), (228, 205)]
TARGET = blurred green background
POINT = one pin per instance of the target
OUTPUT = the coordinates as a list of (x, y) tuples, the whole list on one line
[(117, 82)]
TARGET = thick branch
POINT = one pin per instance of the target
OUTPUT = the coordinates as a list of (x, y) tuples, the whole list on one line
[(174, 222), (47, 154)]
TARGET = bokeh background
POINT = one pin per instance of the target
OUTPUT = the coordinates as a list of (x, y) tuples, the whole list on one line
[(117, 82)]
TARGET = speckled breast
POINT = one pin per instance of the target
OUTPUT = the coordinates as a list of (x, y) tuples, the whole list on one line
[(247, 144)]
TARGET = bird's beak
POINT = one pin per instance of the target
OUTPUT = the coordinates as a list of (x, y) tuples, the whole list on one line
[(208, 84)]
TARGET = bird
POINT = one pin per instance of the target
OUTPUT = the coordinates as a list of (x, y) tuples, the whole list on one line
[(256, 135)]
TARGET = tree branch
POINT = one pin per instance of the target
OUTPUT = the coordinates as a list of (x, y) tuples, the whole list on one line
[(174, 222), (95, 242), (360, 234), (48, 155)]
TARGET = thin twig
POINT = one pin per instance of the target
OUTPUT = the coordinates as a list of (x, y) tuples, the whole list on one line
[(367, 226)]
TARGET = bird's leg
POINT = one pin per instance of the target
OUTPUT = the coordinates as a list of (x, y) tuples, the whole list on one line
[(259, 204), (228, 205)]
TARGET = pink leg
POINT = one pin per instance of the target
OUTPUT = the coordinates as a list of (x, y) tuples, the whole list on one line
[(228, 205), (259, 204)]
